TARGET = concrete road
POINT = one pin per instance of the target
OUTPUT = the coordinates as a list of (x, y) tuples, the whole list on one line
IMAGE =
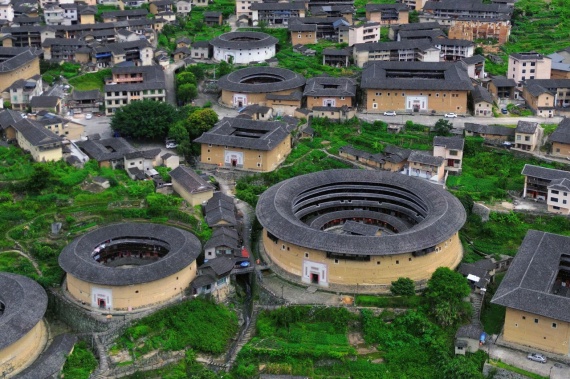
[(97, 125), (551, 369), (457, 122)]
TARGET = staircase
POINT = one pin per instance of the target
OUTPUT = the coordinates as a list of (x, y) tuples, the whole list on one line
[(244, 338), (477, 303)]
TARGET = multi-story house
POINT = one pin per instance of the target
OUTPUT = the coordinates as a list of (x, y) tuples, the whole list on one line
[(451, 9), (539, 182), (560, 64), (527, 135), (394, 31), (276, 13), (450, 149), (454, 49), (387, 14), (482, 101), (183, 8), (525, 66), (415, 86), (544, 96), (41, 143), (473, 29), (243, 7), (132, 84), (199, 3), (18, 63), (414, 5), (425, 166), (361, 33), (66, 50), (6, 10), (412, 50), (133, 14), (139, 52), (54, 15), (21, 91)]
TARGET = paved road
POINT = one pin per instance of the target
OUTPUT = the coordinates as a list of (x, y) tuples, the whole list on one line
[(97, 125), (457, 122), (170, 80), (516, 358)]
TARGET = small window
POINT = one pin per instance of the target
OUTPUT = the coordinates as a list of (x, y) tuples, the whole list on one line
[(137, 291), (536, 321), (375, 105), (397, 262), (378, 263), (409, 259), (554, 325), (282, 247), (336, 261), (524, 317), (306, 255)]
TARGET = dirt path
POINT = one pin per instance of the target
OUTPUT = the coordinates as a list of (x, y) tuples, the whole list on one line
[(34, 263)]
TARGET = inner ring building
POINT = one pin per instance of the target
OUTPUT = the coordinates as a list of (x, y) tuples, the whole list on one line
[(359, 229)]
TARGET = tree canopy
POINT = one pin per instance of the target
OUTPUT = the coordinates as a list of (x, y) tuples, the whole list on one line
[(442, 127), (445, 292), (403, 287), (145, 119)]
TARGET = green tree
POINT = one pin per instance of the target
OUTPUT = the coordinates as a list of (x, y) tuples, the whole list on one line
[(201, 121), (442, 127), (185, 77), (460, 367), (145, 119), (40, 179), (403, 287), (445, 292), (186, 92), (198, 72)]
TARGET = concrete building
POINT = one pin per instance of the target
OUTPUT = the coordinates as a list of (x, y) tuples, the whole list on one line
[(21, 91), (450, 149), (303, 34), (367, 32), (387, 14), (527, 135), (132, 84), (246, 144), (525, 66), (535, 294), (548, 185), (316, 234), (560, 140), (160, 260), (405, 50), (482, 102)]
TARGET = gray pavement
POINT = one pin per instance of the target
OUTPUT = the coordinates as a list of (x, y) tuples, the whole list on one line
[(550, 369), (293, 294), (458, 122), (97, 125)]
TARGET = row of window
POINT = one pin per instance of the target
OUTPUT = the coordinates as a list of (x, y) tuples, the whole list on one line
[(554, 325), (136, 93), (421, 94)]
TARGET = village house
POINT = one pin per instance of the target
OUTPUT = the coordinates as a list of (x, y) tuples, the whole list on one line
[(547, 184), (545, 97), (223, 243), (451, 149), (560, 140), (220, 211), (560, 66), (276, 14), (415, 86), (303, 34), (482, 102), (327, 91), (201, 50), (387, 14), (475, 66), (140, 164), (34, 138), (501, 87), (425, 166), (213, 18), (214, 278), (85, 101), (524, 66), (46, 103), (109, 153), (405, 50), (493, 134), (367, 32), (246, 144), (21, 91), (535, 294), (480, 28), (18, 63), (183, 8), (336, 57), (468, 338), (527, 135), (190, 186)]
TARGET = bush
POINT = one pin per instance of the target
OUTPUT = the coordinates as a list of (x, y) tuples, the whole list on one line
[(80, 364), (403, 287)]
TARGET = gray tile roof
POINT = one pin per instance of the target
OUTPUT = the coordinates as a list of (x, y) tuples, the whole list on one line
[(298, 27), (439, 215), (36, 134), (489, 129), (50, 363), (455, 143), (246, 134), (501, 81), (330, 86), (222, 240), (562, 132), (146, 154), (240, 80), (86, 95), (481, 94), (359, 153), (221, 265), (416, 76), (220, 200), (296, 5), (8, 118), (359, 228), (472, 331), (244, 40), (474, 59), (25, 304), (527, 56), (477, 6), (526, 127), (396, 45), (293, 96), (125, 13), (425, 158), (226, 232), (189, 180), (44, 101), (106, 149), (336, 52), (218, 214), (528, 284), (76, 258), (418, 26), (395, 154), (544, 173), (383, 7), (16, 57), (560, 184)]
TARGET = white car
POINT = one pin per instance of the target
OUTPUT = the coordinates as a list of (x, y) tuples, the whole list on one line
[(88, 116), (389, 113), (171, 145), (537, 357), (450, 115)]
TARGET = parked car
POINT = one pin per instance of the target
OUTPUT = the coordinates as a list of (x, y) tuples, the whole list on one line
[(504, 111), (450, 115), (537, 357), (88, 116), (389, 113), (171, 145)]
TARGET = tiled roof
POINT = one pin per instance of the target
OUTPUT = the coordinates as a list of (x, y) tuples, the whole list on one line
[(25, 303), (244, 40), (425, 158), (189, 180), (480, 93), (106, 149), (544, 173), (44, 101), (51, 361), (86, 95), (528, 284), (35, 133), (330, 86), (383, 7), (562, 132), (236, 81), (76, 258), (526, 127), (246, 134), (18, 57), (560, 184), (455, 143), (489, 129)]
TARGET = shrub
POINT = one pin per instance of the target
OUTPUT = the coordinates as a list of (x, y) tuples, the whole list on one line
[(403, 287)]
